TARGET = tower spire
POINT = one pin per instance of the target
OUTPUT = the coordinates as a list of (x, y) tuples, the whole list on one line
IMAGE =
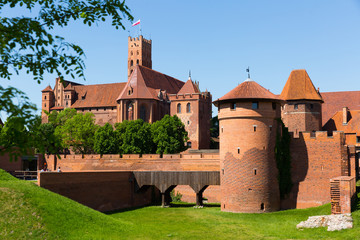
[(189, 74), (248, 71)]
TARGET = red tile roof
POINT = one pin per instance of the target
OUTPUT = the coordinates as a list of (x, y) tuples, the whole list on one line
[(336, 122), (249, 90), (299, 87), (99, 95), (189, 87), (47, 89), (56, 108), (335, 101), (145, 83)]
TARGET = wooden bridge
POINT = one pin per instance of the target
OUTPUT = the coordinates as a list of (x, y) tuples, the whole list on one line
[(167, 181)]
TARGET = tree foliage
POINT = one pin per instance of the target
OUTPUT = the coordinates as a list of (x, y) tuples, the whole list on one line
[(134, 137), (78, 132), (169, 135), (105, 140), (283, 159), (28, 42), (15, 137)]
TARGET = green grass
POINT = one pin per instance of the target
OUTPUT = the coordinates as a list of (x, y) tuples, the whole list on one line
[(30, 212)]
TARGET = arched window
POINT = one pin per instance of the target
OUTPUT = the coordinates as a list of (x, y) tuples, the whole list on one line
[(143, 113), (131, 63), (179, 108), (188, 108), (137, 62), (131, 53), (129, 110), (45, 97)]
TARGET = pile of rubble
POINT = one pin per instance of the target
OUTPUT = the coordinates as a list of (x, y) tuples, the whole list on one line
[(332, 222)]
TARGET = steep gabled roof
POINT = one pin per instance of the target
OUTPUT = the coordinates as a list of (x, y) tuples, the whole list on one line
[(335, 123), (189, 87), (99, 95), (145, 83), (249, 90), (299, 87), (47, 89), (335, 101)]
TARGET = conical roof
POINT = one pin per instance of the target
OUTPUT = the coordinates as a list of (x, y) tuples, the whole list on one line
[(299, 87), (249, 90), (47, 89)]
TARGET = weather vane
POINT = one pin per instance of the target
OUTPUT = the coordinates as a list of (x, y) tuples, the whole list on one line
[(248, 71)]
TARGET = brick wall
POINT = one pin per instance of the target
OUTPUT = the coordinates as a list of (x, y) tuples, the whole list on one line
[(315, 160), (135, 162), (102, 191), (342, 193), (247, 160)]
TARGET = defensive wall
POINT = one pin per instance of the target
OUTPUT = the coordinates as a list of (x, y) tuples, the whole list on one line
[(316, 158), (100, 190), (145, 162)]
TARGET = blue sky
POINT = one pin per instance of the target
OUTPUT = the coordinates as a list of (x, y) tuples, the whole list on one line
[(218, 41)]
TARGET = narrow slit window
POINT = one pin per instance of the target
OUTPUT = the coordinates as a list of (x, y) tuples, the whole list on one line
[(274, 106), (238, 149), (270, 128), (262, 207), (254, 128), (254, 171), (296, 106)]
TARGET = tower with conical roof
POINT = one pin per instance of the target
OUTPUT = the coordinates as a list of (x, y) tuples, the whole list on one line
[(247, 127), (302, 109)]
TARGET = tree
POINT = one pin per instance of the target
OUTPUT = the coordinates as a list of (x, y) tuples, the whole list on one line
[(105, 140), (134, 137), (45, 139), (78, 132), (169, 135), (20, 118), (28, 42)]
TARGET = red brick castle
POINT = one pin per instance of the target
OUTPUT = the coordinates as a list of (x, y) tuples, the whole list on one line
[(147, 95), (324, 144)]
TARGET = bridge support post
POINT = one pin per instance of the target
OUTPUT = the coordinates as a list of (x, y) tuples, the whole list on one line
[(199, 196)]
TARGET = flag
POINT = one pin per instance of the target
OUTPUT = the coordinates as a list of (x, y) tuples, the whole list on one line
[(136, 23)]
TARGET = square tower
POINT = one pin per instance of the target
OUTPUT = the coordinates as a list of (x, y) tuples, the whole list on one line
[(139, 53)]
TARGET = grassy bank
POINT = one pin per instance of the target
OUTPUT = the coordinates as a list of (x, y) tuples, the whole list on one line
[(30, 212)]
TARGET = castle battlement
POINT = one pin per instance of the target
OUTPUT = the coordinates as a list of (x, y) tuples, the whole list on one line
[(138, 156), (319, 135), (140, 38)]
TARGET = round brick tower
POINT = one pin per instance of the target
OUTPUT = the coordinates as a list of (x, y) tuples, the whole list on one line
[(248, 125)]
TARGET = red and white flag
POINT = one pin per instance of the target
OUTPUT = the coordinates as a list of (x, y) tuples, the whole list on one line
[(136, 23)]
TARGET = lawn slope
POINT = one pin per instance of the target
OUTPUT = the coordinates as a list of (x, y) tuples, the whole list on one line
[(30, 212)]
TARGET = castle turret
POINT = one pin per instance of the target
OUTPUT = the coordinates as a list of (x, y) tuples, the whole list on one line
[(69, 96), (193, 107), (48, 101), (302, 109), (247, 126), (139, 53)]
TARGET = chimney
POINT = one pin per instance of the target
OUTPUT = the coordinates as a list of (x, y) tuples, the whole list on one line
[(345, 115)]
